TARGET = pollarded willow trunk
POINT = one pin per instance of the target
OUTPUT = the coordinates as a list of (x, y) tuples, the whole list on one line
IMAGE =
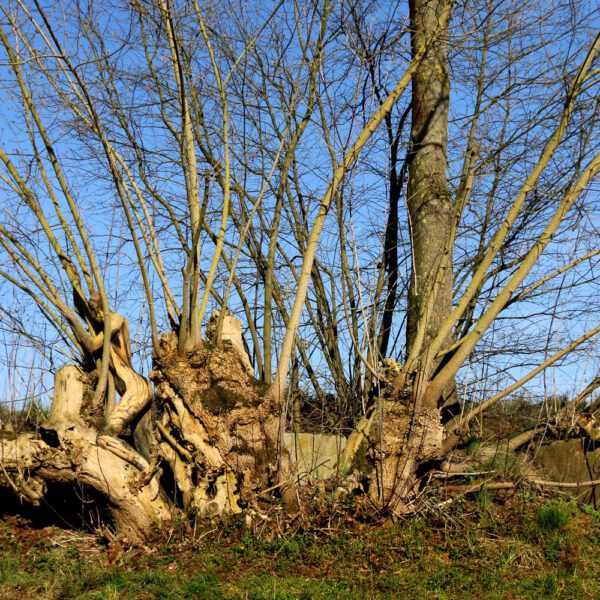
[(214, 428), (69, 450), (217, 428), (212, 425)]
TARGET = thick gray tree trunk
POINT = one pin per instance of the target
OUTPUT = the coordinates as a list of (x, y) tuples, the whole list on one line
[(411, 433), (429, 202)]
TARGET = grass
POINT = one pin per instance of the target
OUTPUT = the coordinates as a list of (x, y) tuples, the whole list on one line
[(554, 515), (493, 547), (27, 418)]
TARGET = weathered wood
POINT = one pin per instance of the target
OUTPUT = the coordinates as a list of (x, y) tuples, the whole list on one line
[(67, 402), (217, 431), (69, 450), (409, 438), (112, 469), (135, 390), (231, 333)]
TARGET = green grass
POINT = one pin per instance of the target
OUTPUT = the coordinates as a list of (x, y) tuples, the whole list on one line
[(555, 514), (523, 548)]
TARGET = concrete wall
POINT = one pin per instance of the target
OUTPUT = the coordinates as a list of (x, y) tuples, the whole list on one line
[(567, 461), (314, 456)]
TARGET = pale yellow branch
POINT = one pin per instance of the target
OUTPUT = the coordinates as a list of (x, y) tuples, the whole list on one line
[(472, 338), (496, 244)]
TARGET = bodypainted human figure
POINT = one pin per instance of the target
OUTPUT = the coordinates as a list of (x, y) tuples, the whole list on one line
[(134, 389)]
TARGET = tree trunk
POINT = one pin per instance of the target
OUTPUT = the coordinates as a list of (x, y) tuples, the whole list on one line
[(411, 432), (217, 429), (212, 424), (429, 203)]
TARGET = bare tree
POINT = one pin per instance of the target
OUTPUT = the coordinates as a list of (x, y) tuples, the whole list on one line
[(179, 161)]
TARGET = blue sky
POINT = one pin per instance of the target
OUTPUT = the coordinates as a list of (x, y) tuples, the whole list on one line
[(532, 56)]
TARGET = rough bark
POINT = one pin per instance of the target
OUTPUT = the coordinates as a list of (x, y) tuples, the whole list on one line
[(429, 203), (79, 443), (212, 424), (217, 429), (411, 431)]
